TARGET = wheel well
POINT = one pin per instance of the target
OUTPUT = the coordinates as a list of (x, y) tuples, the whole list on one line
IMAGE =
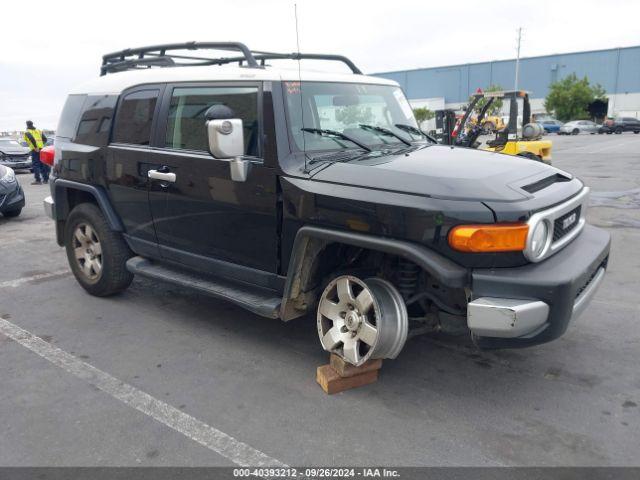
[(76, 197), (324, 260)]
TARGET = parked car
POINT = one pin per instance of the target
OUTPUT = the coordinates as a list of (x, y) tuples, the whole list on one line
[(620, 124), (295, 192), (551, 125), (578, 126), (14, 155), (11, 194)]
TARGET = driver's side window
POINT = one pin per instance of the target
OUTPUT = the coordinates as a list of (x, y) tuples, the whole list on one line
[(186, 124)]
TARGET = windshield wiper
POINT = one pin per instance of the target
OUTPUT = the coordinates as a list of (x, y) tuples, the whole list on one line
[(385, 131), (415, 131), (335, 133)]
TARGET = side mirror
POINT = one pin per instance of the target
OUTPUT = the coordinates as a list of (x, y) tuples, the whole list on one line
[(226, 140)]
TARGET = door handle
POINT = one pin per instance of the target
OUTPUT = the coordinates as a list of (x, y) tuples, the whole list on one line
[(165, 177)]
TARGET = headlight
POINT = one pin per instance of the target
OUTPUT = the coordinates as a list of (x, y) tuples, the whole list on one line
[(9, 176), (538, 241)]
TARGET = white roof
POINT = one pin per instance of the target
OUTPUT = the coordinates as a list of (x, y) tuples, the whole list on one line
[(114, 83)]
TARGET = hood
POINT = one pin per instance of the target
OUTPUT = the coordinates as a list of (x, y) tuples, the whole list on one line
[(445, 172), (11, 149)]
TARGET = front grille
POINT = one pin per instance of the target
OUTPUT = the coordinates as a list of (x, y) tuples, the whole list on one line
[(17, 158), (559, 228)]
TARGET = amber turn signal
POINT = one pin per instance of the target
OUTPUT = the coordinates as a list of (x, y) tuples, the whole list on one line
[(500, 237)]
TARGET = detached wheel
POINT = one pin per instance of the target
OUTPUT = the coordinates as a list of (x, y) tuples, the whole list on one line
[(97, 255), (361, 320)]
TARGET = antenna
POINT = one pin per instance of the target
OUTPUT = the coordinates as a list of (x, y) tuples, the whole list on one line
[(518, 58), (304, 140)]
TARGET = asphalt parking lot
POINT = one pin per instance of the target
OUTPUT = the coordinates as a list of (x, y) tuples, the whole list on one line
[(160, 376)]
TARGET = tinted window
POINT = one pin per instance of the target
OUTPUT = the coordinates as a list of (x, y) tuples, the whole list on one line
[(70, 115), (95, 122), (134, 117), (186, 127)]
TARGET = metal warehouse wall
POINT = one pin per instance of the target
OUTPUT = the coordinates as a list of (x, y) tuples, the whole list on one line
[(617, 70)]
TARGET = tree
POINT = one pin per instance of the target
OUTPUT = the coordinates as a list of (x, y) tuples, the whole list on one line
[(423, 114), (570, 98), (495, 107)]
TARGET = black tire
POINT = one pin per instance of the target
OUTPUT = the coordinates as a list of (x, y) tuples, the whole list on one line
[(636, 131), (12, 213), (575, 131), (114, 276), (618, 131)]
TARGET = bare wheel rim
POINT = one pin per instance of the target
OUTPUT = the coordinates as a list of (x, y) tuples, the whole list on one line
[(359, 320), (87, 251)]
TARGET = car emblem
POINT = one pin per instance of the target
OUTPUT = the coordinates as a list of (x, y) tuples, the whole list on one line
[(570, 220)]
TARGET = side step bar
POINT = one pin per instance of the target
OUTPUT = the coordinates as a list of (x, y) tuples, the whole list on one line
[(259, 301)]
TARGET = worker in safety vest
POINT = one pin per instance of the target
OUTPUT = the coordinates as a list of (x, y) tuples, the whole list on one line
[(35, 140)]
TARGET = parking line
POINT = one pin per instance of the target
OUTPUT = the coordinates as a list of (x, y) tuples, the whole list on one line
[(40, 276), (238, 452)]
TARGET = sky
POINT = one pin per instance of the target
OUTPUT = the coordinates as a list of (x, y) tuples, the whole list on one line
[(40, 63)]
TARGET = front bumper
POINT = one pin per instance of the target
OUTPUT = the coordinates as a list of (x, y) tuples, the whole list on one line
[(17, 165), (13, 200), (533, 304)]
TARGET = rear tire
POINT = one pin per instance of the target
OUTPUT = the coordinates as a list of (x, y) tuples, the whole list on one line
[(12, 213), (97, 255)]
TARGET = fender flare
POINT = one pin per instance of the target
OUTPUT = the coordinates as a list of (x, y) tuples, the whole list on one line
[(310, 238), (99, 193)]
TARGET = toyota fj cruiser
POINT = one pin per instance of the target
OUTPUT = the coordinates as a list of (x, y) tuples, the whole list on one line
[(289, 192)]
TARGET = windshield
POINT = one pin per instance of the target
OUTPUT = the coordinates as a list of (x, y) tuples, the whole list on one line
[(358, 111)]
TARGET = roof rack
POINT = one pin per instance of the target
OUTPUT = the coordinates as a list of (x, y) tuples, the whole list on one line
[(157, 56)]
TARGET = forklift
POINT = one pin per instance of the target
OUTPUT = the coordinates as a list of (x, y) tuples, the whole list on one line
[(526, 143)]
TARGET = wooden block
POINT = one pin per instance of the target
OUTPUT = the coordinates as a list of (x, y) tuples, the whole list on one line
[(331, 382), (345, 369)]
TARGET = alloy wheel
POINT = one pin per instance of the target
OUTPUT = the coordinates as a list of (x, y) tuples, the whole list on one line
[(359, 320), (87, 251)]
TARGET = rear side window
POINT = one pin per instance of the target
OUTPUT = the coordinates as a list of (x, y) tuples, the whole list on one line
[(95, 121), (134, 117), (186, 125), (70, 116)]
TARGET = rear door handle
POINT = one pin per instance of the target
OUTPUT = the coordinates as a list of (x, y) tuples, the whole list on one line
[(165, 177)]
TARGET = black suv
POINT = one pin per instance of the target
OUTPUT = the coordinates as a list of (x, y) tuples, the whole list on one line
[(619, 125), (289, 192)]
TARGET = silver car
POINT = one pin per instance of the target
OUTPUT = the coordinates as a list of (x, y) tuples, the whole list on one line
[(579, 126), (14, 155)]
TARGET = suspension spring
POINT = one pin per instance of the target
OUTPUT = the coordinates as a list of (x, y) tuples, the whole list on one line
[(408, 273)]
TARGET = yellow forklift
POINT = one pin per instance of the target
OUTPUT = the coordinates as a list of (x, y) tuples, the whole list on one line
[(526, 141)]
